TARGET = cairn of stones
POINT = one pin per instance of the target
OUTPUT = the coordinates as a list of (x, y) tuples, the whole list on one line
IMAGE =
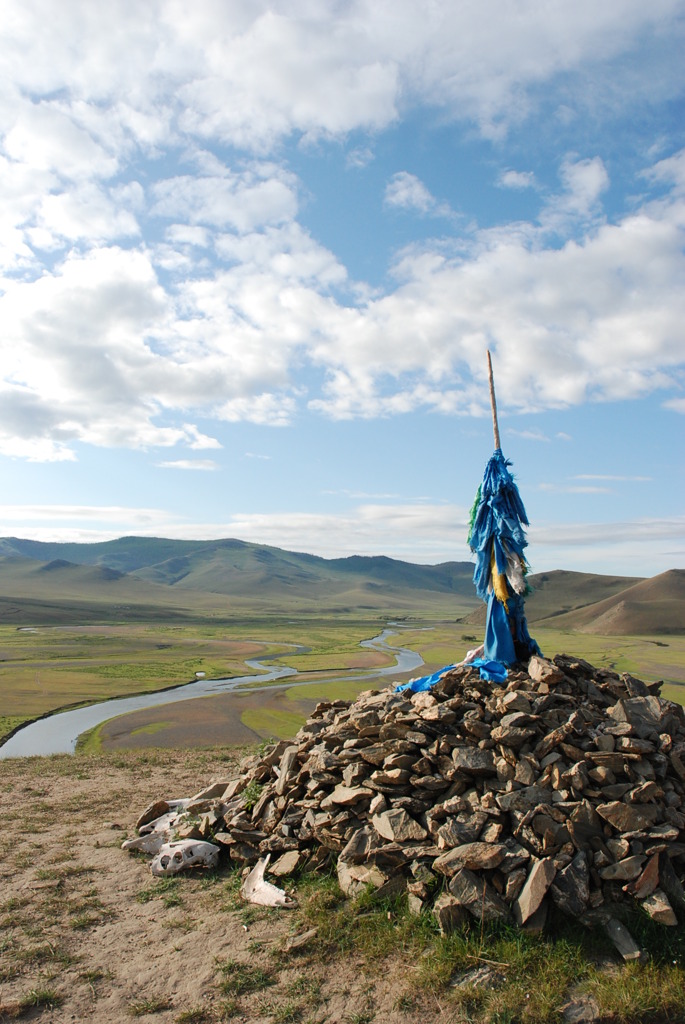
[(564, 786)]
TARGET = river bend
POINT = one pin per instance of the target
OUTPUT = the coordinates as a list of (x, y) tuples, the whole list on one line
[(58, 733)]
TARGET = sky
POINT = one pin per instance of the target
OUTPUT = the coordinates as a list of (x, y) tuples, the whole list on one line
[(253, 254)]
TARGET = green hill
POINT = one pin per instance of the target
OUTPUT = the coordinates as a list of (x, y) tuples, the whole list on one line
[(222, 579), (152, 577)]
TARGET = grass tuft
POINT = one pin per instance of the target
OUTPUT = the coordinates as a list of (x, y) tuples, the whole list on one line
[(141, 1007), (239, 978), (37, 997)]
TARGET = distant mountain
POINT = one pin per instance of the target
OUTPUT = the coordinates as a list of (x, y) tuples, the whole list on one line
[(608, 605), (554, 593), (655, 605), (221, 578), (238, 567), (157, 577)]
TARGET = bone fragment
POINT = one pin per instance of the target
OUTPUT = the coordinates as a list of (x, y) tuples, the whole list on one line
[(255, 890), (151, 843)]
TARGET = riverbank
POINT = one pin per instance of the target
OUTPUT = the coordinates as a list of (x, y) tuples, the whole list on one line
[(59, 733)]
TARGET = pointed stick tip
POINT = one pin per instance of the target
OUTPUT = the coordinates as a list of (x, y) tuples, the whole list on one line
[(493, 402)]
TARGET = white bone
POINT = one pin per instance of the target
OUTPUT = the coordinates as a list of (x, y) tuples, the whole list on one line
[(151, 843), (255, 890), (184, 853), (161, 824)]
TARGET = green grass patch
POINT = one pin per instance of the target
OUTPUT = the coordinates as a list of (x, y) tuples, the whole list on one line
[(197, 1015), (533, 975), (167, 889), (41, 997), (10, 722), (90, 742), (268, 722), (238, 978), (151, 728), (337, 689), (674, 692)]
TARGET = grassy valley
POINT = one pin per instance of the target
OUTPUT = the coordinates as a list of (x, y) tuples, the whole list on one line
[(86, 622), (82, 623)]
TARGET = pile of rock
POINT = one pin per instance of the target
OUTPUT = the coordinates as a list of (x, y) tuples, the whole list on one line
[(565, 786)]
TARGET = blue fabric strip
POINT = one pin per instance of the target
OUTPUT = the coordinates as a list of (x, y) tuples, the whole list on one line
[(491, 671)]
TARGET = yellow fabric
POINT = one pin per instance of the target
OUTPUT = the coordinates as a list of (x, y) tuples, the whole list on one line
[(499, 582)]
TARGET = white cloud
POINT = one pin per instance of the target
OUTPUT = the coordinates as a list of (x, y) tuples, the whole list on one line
[(670, 171), (612, 477), (202, 465), (46, 138), (85, 212), (517, 179), (269, 410), (250, 74), (111, 345), (243, 202), (584, 182), (98, 348), (528, 435), (573, 489), (359, 157), (419, 532), (409, 193), (130, 516), (597, 319)]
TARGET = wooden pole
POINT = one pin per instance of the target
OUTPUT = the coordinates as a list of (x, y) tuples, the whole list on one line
[(493, 402)]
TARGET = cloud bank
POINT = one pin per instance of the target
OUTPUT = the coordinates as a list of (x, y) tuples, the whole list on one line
[(155, 269)]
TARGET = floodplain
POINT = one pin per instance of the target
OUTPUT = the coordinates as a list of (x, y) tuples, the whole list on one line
[(47, 668)]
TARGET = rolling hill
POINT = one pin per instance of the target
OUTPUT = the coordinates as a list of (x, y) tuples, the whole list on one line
[(655, 605), (218, 579), (149, 577)]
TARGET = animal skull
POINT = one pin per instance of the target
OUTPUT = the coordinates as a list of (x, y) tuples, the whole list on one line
[(184, 853), (164, 823)]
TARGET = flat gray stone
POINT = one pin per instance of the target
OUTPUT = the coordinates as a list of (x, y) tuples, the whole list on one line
[(398, 826), (627, 817), (474, 761), (478, 896), (539, 879), (570, 889), (659, 909), (623, 870), (523, 799), (449, 913), (474, 856)]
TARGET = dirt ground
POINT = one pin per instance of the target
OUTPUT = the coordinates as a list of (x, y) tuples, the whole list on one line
[(86, 933), (198, 722)]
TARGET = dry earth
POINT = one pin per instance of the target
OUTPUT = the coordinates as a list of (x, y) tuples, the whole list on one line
[(88, 934), (199, 721)]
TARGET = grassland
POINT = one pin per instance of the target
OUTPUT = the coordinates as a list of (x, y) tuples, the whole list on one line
[(650, 658), (88, 934), (50, 667), (102, 662)]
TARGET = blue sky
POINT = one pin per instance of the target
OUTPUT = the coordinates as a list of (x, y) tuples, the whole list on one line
[(252, 256)]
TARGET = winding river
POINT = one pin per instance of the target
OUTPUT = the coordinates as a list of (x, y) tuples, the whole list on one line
[(57, 734)]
